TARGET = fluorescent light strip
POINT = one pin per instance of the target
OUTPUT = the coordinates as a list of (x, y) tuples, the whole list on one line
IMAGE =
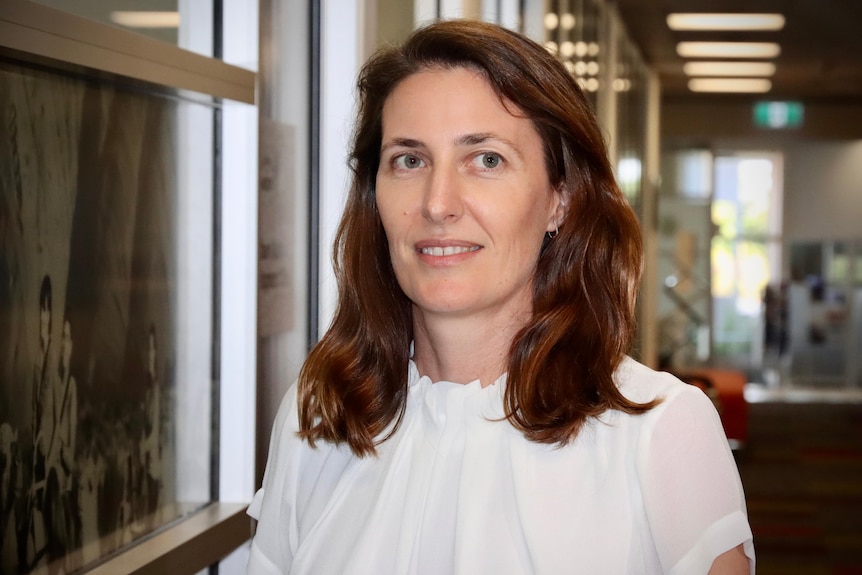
[(730, 85), (690, 21), (728, 49), (733, 69), (146, 19)]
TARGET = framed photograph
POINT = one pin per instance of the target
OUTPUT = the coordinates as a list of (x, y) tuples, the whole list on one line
[(106, 310)]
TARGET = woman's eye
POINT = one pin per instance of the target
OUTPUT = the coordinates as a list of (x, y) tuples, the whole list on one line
[(408, 162), (488, 160)]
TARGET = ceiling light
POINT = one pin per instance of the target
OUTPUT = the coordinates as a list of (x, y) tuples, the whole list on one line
[(728, 49), (146, 19), (749, 85), (725, 21), (734, 69)]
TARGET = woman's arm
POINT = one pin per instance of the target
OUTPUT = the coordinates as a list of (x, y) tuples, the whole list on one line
[(733, 562)]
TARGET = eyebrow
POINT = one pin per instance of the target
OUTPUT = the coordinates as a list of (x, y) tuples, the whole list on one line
[(465, 140), (401, 143)]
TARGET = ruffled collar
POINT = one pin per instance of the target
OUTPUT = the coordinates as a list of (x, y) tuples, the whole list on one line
[(444, 403)]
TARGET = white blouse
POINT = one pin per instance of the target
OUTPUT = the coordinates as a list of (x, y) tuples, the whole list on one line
[(456, 491)]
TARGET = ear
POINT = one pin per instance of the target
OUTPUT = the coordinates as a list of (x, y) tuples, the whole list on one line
[(560, 207)]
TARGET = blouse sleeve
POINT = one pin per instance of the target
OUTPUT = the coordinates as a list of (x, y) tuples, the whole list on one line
[(271, 548), (692, 492)]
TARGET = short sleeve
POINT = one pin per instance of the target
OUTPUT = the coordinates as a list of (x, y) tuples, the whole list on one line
[(692, 492), (271, 548)]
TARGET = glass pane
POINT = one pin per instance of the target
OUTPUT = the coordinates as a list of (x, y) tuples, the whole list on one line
[(744, 276), (688, 174), (105, 315), (740, 275), (819, 320), (184, 23), (856, 265), (629, 85), (572, 32), (743, 194), (839, 261)]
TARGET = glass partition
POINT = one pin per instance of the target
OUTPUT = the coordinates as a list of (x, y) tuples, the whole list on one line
[(572, 31), (629, 85), (822, 307), (684, 274)]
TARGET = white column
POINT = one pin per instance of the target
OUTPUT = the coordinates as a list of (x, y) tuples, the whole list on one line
[(342, 51), (238, 264)]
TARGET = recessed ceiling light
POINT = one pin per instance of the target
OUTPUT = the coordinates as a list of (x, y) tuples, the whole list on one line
[(146, 19), (728, 49), (729, 85), (686, 21), (734, 69)]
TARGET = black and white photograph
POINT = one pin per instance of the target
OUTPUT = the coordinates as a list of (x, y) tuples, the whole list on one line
[(88, 314)]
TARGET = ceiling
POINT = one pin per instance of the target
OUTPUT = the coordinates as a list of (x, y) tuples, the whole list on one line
[(821, 45)]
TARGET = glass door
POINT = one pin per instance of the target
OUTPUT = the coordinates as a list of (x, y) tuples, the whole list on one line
[(748, 328)]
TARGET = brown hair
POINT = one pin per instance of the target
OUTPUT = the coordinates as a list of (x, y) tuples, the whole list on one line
[(353, 386)]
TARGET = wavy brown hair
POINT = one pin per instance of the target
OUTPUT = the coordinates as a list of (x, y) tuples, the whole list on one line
[(353, 386)]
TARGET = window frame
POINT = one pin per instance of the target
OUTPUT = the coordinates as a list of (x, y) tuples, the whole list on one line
[(206, 536)]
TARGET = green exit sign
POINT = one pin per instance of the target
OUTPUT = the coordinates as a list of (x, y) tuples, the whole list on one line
[(778, 115)]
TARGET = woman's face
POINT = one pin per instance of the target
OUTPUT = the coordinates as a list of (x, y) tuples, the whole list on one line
[(463, 194)]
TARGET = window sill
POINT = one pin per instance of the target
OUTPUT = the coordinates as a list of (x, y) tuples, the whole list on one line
[(188, 547)]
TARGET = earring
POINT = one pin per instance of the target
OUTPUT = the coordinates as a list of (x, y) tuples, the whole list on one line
[(552, 235)]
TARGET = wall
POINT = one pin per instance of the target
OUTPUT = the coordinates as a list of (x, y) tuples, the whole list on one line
[(822, 159), (823, 190), (731, 117)]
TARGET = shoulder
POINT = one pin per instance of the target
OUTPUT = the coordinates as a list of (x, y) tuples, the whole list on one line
[(681, 406), (287, 417), (291, 458), (642, 384), (283, 442), (689, 484)]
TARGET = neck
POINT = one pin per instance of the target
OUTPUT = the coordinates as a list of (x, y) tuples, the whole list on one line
[(463, 349)]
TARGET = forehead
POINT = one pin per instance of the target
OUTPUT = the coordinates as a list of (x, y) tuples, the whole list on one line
[(438, 98)]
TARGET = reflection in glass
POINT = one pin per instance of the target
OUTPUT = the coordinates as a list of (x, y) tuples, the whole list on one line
[(184, 23)]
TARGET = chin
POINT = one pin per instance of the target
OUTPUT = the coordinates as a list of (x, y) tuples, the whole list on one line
[(441, 304)]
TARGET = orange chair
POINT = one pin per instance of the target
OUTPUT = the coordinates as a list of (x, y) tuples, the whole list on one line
[(726, 388)]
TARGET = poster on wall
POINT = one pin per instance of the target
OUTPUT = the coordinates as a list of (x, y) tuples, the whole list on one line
[(88, 311), (275, 240)]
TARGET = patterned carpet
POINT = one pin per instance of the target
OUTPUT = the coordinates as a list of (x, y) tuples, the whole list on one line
[(802, 473)]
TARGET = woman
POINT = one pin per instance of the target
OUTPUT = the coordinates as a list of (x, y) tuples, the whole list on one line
[(471, 409)]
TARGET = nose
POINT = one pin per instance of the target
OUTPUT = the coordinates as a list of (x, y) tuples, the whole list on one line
[(443, 199)]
